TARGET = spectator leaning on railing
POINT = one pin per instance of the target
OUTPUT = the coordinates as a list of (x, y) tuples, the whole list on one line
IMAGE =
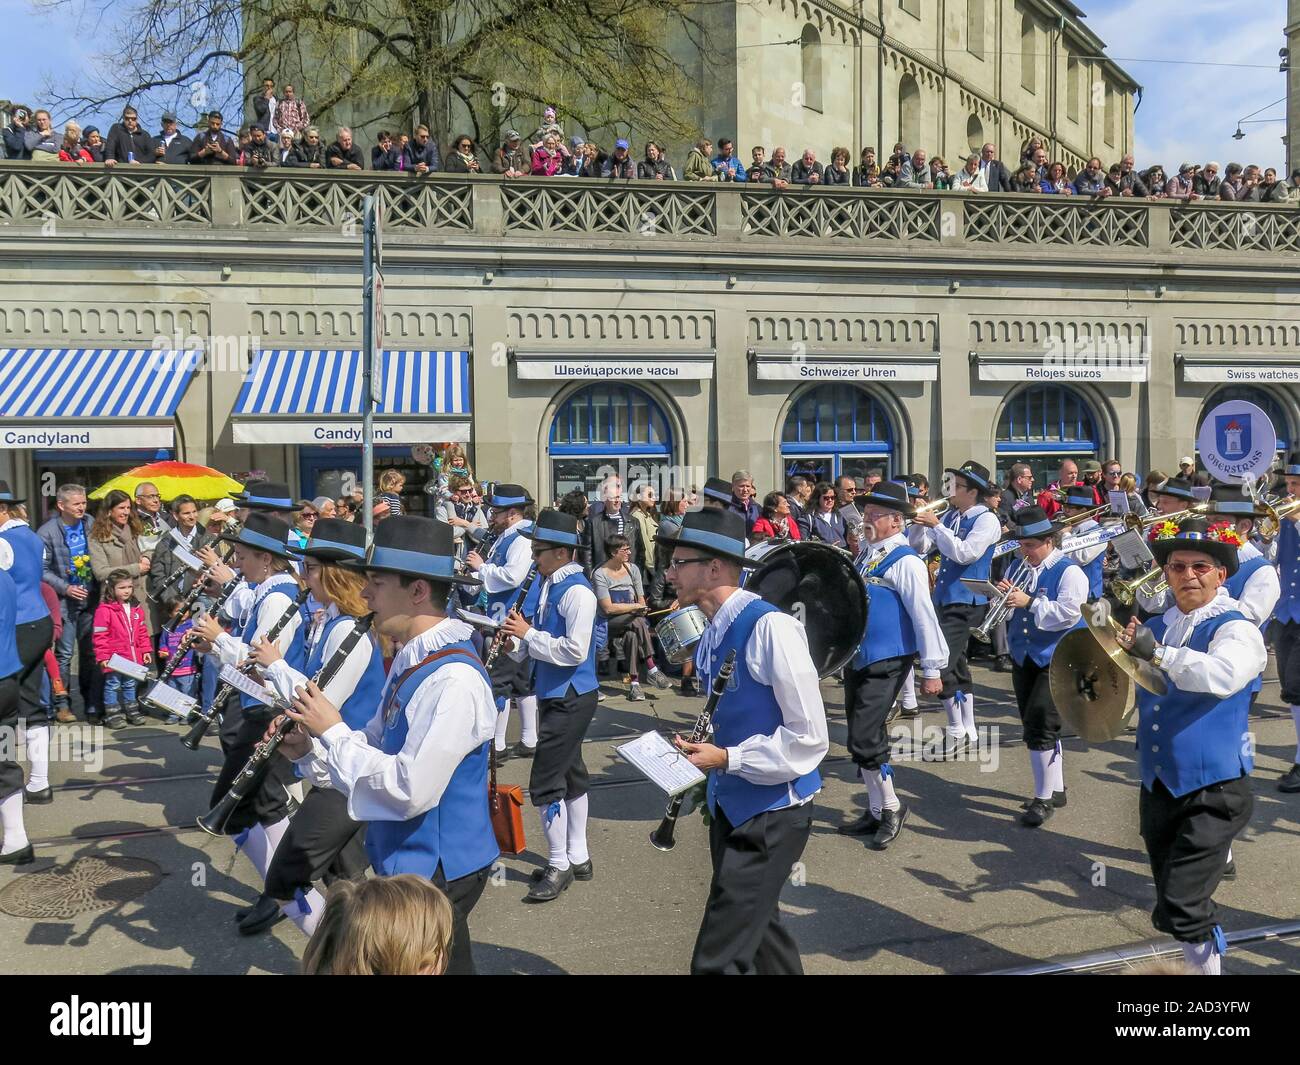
[(42, 142), (127, 142), (915, 173), (866, 175), (698, 167), (384, 154), (1056, 183), (1271, 190), (511, 160), (309, 153), (997, 178), (1182, 186), (71, 151), (1208, 181), (725, 164), (619, 164), (837, 171), (654, 167), (213, 146), (420, 155), (343, 154), (806, 170), (93, 143), (284, 148), (972, 177), (171, 146), (461, 159), (15, 134), (548, 160)]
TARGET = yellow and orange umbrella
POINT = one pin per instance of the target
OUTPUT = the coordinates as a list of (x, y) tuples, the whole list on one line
[(172, 479)]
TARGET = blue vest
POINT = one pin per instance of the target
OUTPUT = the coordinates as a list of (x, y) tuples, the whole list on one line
[(549, 680), (457, 833), (499, 603), (1190, 740), (1024, 638), (29, 564), (10, 663), (948, 587), (359, 708), (748, 708), (1288, 571), (1096, 578), (889, 626), (295, 656), (1236, 584)]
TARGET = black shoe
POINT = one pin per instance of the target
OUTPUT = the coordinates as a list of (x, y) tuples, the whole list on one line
[(504, 755), (133, 715), (522, 750), (1290, 782), (1230, 871), (1039, 811), (20, 857), (1002, 664), (115, 720), (891, 824), (1058, 801), (865, 825), (954, 747), (690, 686), (266, 913), (910, 711), (552, 883), (580, 872), (38, 798)]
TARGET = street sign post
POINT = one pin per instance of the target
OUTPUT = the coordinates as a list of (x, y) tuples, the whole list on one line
[(372, 301)]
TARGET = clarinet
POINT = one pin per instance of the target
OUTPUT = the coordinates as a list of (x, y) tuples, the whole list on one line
[(500, 638), (662, 837), (227, 590), (194, 737), (484, 548), (250, 777)]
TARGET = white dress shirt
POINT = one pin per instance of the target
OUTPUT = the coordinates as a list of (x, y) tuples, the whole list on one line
[(1086, 555), (578, 608), (239, 607), (1063, 612), (449, 716), (776, 655), (7, 552), (1236, 656), (986, 532), (911, 580), (286, 680), (271, 599), (501, 577), (1262, 590)]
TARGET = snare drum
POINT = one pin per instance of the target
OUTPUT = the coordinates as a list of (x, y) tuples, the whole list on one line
[(680, 631)]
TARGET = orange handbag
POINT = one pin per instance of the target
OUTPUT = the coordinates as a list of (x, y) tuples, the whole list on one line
[(506, 805)]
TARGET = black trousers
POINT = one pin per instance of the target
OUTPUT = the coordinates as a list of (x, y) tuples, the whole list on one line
[(1187, 841), (323, 843), (11, 773), (1286, 641), (464, 894), (956, 620), (558, 769), (79, 639), (869, 693), (1038, 711), (742, 932), (510, 678), (34, 638), (240, 732)]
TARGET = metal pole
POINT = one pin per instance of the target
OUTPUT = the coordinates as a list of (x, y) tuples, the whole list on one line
[(368, 366)]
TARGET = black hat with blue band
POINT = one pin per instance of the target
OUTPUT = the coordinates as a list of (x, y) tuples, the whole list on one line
[(262, 532), (1227, 499), (335, 540), (974, 474), (1079, 496), (415, 547), (891, 495), (264, 495), (1032, 523), (509, 495), (1292, 467), (716, 532), (718, 490), (553, 528), (1178, 487), (7, 495)]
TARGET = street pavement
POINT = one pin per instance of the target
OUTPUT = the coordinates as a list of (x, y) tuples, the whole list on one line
[(964, 889)]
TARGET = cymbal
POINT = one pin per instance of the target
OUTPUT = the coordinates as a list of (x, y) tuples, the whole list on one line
[(1105, 634), (1095, 697)]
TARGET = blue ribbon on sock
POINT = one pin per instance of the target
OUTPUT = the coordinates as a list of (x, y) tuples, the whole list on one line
[(886, 770), (1056, 753), (242, 838), (1220, 941), (303, 907), (502, 702), (958, 695), (551, 813)]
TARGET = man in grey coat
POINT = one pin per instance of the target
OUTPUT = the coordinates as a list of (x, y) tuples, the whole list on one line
[(67, 570)]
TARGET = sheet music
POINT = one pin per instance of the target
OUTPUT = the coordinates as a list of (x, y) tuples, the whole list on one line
[(188, 557), (135, 670), (661, 762), (242, 682), (168, 698), (980, 587)]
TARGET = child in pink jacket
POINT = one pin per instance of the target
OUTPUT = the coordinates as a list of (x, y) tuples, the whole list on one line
[(119, 628)]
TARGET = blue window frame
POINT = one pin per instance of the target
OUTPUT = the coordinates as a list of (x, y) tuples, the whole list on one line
[(832, 430), (610, 420), (1265, 401), (1047, 420)]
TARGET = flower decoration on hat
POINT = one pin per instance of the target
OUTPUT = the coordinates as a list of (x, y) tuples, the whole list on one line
[(1223, 532)]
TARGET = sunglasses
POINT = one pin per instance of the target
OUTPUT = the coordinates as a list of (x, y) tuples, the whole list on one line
[(1198, 568)]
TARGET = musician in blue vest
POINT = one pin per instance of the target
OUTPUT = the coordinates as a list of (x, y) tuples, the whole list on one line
[(1091, 559), (1049, 591), (965, 537), (22, 553), (769, 737), (1286, 631), (562, 652), (417, 774), (261, 554), (1194, 743), (15, 847), (1255, 586), (901, 620), (323, 841), (502, 572)]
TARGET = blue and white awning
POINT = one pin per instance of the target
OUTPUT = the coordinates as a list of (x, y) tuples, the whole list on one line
[(91, 397), (314, 397)]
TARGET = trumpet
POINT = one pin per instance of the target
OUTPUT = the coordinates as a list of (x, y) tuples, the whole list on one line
[(935, 506), (1140, 523), (1091, 512), (1268, 528), (1125, 592), (999, 609)]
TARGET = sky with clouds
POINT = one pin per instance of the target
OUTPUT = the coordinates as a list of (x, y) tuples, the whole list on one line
[(1190, 106)]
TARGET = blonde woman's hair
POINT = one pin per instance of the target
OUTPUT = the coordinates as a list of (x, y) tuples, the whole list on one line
[(343, 586), (387, 926), (1128, 483), (391, 480)]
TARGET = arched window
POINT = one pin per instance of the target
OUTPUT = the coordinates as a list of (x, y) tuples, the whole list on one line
[(1264, 400), (810, 56), (833, 429), (607, 427), (974, 134), (975, 27), (1043, 424), (1028, 52), (909, 112)]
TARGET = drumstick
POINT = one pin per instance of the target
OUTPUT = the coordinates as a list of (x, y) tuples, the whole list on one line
[(665, 610)]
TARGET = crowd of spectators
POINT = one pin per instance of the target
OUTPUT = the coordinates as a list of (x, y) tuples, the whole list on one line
[(281, 135)]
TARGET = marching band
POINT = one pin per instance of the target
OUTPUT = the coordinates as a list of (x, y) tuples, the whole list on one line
[(399, 759)]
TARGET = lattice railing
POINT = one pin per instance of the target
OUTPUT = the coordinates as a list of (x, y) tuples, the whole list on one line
[(570, 205), (46, 194), (294, 201), (1060, 221), (1210, 229), (856, 216)]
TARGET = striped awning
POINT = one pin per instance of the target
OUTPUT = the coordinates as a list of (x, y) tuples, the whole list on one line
[(88, 398), (312, 397)]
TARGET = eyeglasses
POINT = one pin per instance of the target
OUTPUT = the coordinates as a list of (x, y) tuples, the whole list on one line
[(1198, 568), (149, 495), (677, 563)]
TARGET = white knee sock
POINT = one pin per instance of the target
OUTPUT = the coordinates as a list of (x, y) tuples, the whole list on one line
[(305, 910), (1039, 763), (885, 783), (1056, 769), (1295, 718), (968, 715), (11, 817), (871, 779), (954, 728), (555, 826), (259, 842), (503, 722), (38, 757), (528, 720), (1202, 958), (575, 811), (909, 690), (1229, 861)]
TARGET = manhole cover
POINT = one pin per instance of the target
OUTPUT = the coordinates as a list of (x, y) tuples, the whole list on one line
[(88, 884)]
